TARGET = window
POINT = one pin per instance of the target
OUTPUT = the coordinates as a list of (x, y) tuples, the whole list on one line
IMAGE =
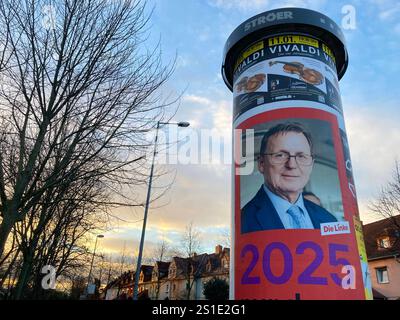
[(382, 275), (383, 242)]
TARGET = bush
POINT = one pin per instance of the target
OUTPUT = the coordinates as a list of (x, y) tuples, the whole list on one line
[(216, 289)]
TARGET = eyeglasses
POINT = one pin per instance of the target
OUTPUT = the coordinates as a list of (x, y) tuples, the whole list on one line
[(282, 157)]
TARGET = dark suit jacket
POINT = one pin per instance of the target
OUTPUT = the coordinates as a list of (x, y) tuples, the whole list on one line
[(260, 214)]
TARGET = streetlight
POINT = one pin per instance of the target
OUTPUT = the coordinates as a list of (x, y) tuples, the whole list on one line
[(139, 261), (91, 265)]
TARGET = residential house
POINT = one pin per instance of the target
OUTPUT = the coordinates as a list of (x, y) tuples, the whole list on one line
[(171, 280), (195, 272), (382, 241), (111, 290), (177, 278), (217, 266), (120, 288), (145, 284), (159, 287)]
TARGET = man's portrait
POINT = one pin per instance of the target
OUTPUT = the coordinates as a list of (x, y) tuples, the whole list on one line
[(285, 162)]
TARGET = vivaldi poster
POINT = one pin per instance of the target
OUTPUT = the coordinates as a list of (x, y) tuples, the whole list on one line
[(295, 210)]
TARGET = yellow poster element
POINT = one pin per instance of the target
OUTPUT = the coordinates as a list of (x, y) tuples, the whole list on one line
[(292, 39), (363, 258), (254, 48)]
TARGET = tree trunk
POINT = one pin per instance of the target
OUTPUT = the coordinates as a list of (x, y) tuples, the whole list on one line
[(24, 275), (7, 271), (5, 229), (188, 288), (158, 288)]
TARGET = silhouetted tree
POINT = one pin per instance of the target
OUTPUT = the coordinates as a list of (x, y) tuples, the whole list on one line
[(78, 94), (387, 203), (216, 289), (190, 245)]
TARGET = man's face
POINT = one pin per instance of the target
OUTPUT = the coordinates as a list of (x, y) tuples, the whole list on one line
[(287, 179)]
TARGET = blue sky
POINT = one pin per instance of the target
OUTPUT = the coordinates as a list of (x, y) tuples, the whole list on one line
[(196, 31)]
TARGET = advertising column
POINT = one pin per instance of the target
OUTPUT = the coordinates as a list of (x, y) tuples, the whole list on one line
[(296, 231)]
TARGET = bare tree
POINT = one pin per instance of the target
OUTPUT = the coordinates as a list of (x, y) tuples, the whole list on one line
[(122, 260), (78, 285), (112, 267), (225, 238), (160, 254), (162, 251), (56, 235), (189, 248), (78, 95), (190, 241), (387, 204)]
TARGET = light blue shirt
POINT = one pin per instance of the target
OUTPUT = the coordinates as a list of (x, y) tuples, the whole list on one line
[(282, 205)]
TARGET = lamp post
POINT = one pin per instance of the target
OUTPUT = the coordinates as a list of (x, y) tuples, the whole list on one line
[(91, 265), (146, 209)]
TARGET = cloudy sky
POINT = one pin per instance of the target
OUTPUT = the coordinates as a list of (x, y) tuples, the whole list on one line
[(196, 31)]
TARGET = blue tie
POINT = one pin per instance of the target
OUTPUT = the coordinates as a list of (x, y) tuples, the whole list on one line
[(297, 217)]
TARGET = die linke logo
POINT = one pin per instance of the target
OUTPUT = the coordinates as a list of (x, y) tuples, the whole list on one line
[(335, 228)]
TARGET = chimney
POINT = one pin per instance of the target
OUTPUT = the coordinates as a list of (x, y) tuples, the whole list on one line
[(218, 249)]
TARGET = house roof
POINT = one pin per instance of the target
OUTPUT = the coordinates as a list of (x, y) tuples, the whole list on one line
[(197, 263), (377, 295), (162, 266), (181, 265), (214, 261), (123, 280), (389, 227), (147, 272)]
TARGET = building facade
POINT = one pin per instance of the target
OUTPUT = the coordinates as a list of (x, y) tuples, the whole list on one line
[(382, 241), (178, 279)]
